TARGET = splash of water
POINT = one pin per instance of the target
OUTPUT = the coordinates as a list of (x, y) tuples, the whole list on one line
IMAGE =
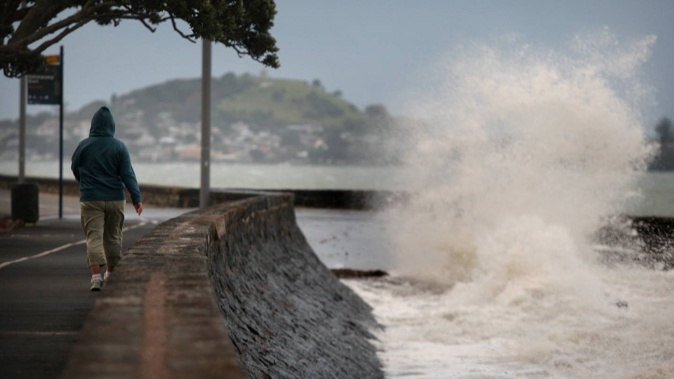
[(523, 155), (521, 146)]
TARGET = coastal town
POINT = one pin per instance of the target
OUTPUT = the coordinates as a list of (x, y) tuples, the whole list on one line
[(295, 122), (175, 141)]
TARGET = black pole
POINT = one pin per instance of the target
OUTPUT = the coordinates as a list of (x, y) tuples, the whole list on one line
[(61, 138)]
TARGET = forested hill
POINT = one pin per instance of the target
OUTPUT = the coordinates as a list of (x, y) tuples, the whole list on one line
[(258, 101)]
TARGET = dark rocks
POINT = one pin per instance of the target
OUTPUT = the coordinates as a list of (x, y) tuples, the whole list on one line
[(648, 241), (656, 235), (347, 273)]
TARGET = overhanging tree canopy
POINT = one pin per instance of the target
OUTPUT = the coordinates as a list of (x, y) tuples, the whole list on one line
[(28, 27)]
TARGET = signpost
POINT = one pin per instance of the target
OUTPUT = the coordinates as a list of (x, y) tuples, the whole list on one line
[(46, 88)]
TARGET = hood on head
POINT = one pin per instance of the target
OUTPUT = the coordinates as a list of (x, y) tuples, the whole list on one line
[(103, 123)]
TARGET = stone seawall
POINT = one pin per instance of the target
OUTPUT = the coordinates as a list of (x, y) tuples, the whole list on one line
[(231, 291), (287, 315)]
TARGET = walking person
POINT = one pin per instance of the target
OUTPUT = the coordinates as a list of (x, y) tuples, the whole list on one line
[(102, 166)]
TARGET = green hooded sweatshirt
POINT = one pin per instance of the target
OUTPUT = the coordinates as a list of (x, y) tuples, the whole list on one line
[(102, 165)]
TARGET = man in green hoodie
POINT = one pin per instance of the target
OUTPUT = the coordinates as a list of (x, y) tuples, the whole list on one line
[(102, 165)]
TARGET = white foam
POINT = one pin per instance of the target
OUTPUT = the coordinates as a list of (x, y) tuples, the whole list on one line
[(523, 154)]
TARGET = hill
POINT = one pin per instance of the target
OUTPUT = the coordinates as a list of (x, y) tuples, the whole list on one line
[(254, 119), (258, 101)]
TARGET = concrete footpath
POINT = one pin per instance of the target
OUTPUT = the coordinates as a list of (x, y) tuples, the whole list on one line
[(44, 285), (44, 281)]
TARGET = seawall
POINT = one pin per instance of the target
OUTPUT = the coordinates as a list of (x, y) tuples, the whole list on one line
[(231, 291), (182, 197)]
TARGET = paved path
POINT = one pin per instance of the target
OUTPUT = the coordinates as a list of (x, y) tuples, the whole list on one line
[(44, 281), (44, 285)]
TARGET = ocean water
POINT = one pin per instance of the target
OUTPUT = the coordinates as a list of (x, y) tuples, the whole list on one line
[(251, 176), (496, 272), (494, 269), (614, 324), (653, 194)]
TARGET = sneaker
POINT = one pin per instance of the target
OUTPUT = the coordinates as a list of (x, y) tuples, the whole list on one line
[(96, 284), (106, 276)]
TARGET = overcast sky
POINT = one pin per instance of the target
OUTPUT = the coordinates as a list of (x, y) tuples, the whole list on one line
[(370, 50)]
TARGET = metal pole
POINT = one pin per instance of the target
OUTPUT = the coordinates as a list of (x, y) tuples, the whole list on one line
[(22, 129), (204, 193), (61, 84)]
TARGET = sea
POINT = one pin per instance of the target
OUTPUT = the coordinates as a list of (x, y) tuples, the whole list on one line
[(497, 271), (652, 196), (494, 267)]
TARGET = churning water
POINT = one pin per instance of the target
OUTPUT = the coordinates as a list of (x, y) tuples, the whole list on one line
[(497, 274)]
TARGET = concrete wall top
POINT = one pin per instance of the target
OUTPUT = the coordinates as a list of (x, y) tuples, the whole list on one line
[(194, 299)]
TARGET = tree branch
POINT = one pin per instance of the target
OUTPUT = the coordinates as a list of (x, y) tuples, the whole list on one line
[(241, 25), (180, 32), (17, 14), (43, 46), (82, 15)]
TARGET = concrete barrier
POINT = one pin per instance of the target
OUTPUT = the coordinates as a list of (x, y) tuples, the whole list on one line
[(231, 291)]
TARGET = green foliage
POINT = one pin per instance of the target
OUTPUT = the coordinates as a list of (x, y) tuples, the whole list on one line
[(27, 28)]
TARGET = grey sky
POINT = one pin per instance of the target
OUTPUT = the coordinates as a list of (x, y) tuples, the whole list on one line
[(371, 50)]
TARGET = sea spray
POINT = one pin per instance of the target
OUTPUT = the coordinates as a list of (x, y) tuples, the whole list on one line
[(518, 133), (521, 156)]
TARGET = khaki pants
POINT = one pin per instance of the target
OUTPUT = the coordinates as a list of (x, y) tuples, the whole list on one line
[(102, 222)]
